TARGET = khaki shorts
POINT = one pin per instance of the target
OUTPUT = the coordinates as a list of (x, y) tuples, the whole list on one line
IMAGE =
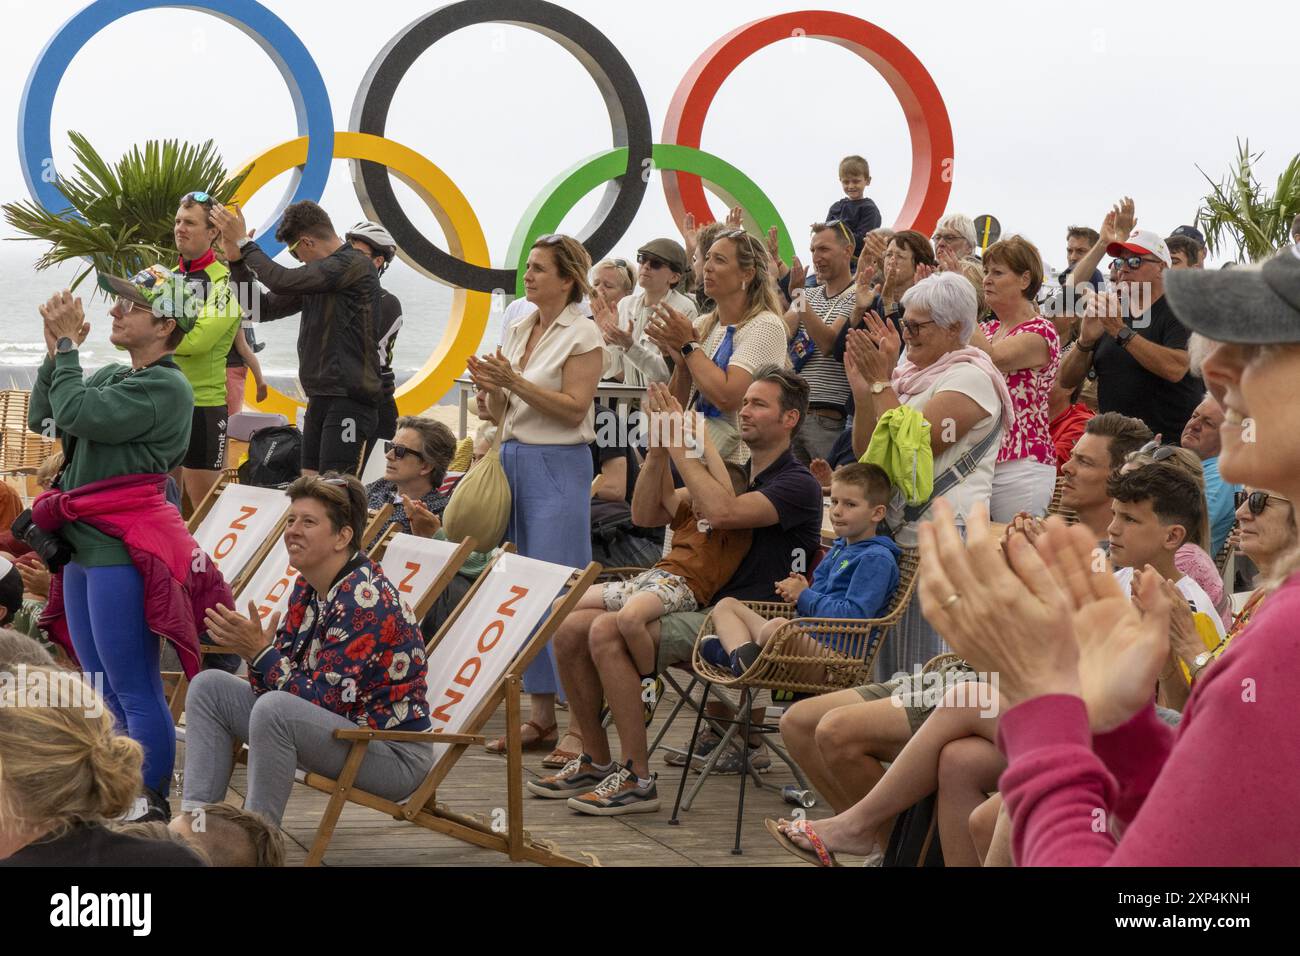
[(672, 591), (902, 687), (677, 634)]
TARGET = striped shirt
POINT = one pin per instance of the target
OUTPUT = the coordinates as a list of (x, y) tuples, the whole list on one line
[(828, 386)]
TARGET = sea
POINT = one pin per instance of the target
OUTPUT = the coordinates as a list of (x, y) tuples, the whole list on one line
[(426, 309)]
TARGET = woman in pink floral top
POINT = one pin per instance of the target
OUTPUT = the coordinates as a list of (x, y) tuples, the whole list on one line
[(1026, 348)]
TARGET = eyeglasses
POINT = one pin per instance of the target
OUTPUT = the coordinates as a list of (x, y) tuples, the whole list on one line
[(947, 238), (1258, 500), (198, 196), (400, 451), (1154, 450), (645, 259), (1132, 262), (912, 328)]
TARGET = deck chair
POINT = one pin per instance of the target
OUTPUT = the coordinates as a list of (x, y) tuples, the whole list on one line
[(236, 525), (21, 450), (499, 627), (844, 654), (421, 568)]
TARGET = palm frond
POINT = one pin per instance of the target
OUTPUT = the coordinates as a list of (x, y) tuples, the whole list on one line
[(1240, 210)]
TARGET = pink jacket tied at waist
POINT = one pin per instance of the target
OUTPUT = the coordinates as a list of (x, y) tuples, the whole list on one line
[(178, 589)]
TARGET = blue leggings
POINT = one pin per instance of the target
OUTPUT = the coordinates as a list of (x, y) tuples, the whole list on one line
[(105, 609)]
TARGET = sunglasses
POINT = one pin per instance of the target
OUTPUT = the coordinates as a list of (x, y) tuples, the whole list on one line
[(400, 451), (1258, 500), (1133, 262), (294, 245), (644, 259), (1153, 449)]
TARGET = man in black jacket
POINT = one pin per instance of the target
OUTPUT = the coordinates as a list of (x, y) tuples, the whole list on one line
[(337, 292)]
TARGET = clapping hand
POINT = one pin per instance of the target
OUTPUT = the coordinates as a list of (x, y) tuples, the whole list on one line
[(947, 262), (1119, 222), (606, 317), (735, 217), (64, 318), (1104, 310), (798, 276), (791, 588), (670, 330), (665, 415), (821, 470), (779, 268), (230, 221), (36, 578), (244, 636), (491, 373), (424, 523)]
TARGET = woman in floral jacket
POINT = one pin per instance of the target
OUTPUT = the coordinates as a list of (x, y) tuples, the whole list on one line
[(346, 655)]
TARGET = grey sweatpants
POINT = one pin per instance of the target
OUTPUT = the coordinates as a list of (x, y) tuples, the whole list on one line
[(283, 733)]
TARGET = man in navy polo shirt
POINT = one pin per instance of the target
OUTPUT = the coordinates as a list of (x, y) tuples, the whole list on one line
[(783, 506)]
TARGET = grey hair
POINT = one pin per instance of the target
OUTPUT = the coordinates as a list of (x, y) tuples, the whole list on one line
[(962, 224), (1198, 347), (949, 298)]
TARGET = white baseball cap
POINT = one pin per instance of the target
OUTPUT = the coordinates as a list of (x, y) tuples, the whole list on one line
[(1142, 242)]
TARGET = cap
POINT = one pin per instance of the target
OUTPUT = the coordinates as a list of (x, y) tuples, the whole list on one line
[(1142, 242), (1252, 305), (668, 250), (1190, 232), (168, 294)]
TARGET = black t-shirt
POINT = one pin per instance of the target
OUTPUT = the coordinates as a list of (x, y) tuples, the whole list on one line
[(611, 443), (1124, 386), (94, 845), (790, 544)]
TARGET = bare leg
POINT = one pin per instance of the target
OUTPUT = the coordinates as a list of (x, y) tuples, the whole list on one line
[(622, 682), (912, 776), (581, 680), (735, 624), (968, 770), (640, 610), (852, 742), (983, 820), (1000, 849), (798, 730)]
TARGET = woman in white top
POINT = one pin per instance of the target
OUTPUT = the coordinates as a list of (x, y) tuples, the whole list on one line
[(744, 333), (541, 386), (958, 390), (629, 357)]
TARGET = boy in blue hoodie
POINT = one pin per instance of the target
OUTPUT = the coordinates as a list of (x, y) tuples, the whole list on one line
[(856, 579)]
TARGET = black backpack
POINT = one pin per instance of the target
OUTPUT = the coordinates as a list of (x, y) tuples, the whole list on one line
[(274, 457), (915, 839)]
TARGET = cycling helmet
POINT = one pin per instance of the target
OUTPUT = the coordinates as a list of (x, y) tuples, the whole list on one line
[(375, 236)]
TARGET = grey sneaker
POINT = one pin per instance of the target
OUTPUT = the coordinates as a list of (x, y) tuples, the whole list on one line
[(705, 745), (729, 763), (577, 777), (618, 794)]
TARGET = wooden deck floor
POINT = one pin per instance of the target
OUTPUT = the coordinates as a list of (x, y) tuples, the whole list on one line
[(704, 837)]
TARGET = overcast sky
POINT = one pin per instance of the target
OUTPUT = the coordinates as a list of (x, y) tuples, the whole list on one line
[(1058, 108)]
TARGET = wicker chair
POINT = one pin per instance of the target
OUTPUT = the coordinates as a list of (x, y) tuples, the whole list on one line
[(21, 450), (842, 658), (1056, 508)]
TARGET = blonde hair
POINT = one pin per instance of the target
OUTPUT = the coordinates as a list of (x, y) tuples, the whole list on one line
[(854, 165), (235, 837), (49, 468), (760, 294), (571, 262), (621, 266), (59, 765)]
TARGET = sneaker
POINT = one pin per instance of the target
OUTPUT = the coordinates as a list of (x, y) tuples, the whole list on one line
[(618, 794), (576, 777), (712, 651), (652, 691), (743, 657), (729, 763), (151, 806), (706, 744)]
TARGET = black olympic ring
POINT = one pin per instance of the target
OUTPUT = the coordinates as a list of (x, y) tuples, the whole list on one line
[(628, 114)]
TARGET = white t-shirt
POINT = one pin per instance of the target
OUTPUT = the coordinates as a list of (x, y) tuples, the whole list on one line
[(1195, 594), (642, 362), (976, 385)]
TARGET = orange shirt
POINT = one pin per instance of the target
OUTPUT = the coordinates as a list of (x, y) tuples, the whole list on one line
[(704, 560)]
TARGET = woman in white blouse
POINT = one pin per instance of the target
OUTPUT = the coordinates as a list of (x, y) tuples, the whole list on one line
[(541, 386), (629, 356), (744, 333)]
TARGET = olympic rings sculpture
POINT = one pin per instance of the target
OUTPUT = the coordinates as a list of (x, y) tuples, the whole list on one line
[(623, 170)]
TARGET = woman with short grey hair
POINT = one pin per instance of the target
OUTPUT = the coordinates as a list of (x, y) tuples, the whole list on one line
[(955, 235), (961, 395)]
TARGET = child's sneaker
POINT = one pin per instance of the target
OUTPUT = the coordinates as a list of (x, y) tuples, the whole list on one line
[(703, 747), (743, 657), (619, 793), (712, 651), (578, 776), (729, 763)]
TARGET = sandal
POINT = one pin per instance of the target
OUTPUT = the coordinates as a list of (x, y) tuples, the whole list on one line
[(817, 856), (543, 740), (557, 759)]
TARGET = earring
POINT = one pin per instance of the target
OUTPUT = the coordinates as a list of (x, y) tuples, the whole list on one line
[(744, 286)]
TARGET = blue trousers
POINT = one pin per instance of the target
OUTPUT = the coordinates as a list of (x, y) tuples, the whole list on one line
[(550, 520), (105, 611)]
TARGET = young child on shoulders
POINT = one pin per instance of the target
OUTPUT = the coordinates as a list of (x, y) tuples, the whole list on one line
[(855, 210), (856, 579)]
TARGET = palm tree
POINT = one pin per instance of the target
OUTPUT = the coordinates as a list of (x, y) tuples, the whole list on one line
[(119, 217), (1239, 208)]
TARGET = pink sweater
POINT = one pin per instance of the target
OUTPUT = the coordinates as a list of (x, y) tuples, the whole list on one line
[(1220, 790)]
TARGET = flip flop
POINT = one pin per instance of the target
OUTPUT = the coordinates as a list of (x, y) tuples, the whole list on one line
[(543, 740), (817, 856), (557, 759)]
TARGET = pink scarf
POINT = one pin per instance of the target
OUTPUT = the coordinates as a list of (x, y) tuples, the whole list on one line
[(910, 379)]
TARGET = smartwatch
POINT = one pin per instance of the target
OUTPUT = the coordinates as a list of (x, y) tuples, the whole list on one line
[(1123, 337), (65, 345), (687, 349)]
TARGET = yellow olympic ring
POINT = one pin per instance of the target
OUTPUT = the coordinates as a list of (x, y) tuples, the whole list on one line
[(469, 310)]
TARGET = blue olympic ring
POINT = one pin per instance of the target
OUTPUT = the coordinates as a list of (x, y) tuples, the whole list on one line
[(306, 86)]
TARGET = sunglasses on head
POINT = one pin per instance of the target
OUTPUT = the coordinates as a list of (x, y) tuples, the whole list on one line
[(198, 196), (841, 226), (400, 451), (552, 239), (1258, 500), (1153, 449)]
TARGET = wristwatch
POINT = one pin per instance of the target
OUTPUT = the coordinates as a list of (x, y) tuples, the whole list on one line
[(65, 345), (1198, 664), (878, 387), (1123, 337), (687, 349)]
